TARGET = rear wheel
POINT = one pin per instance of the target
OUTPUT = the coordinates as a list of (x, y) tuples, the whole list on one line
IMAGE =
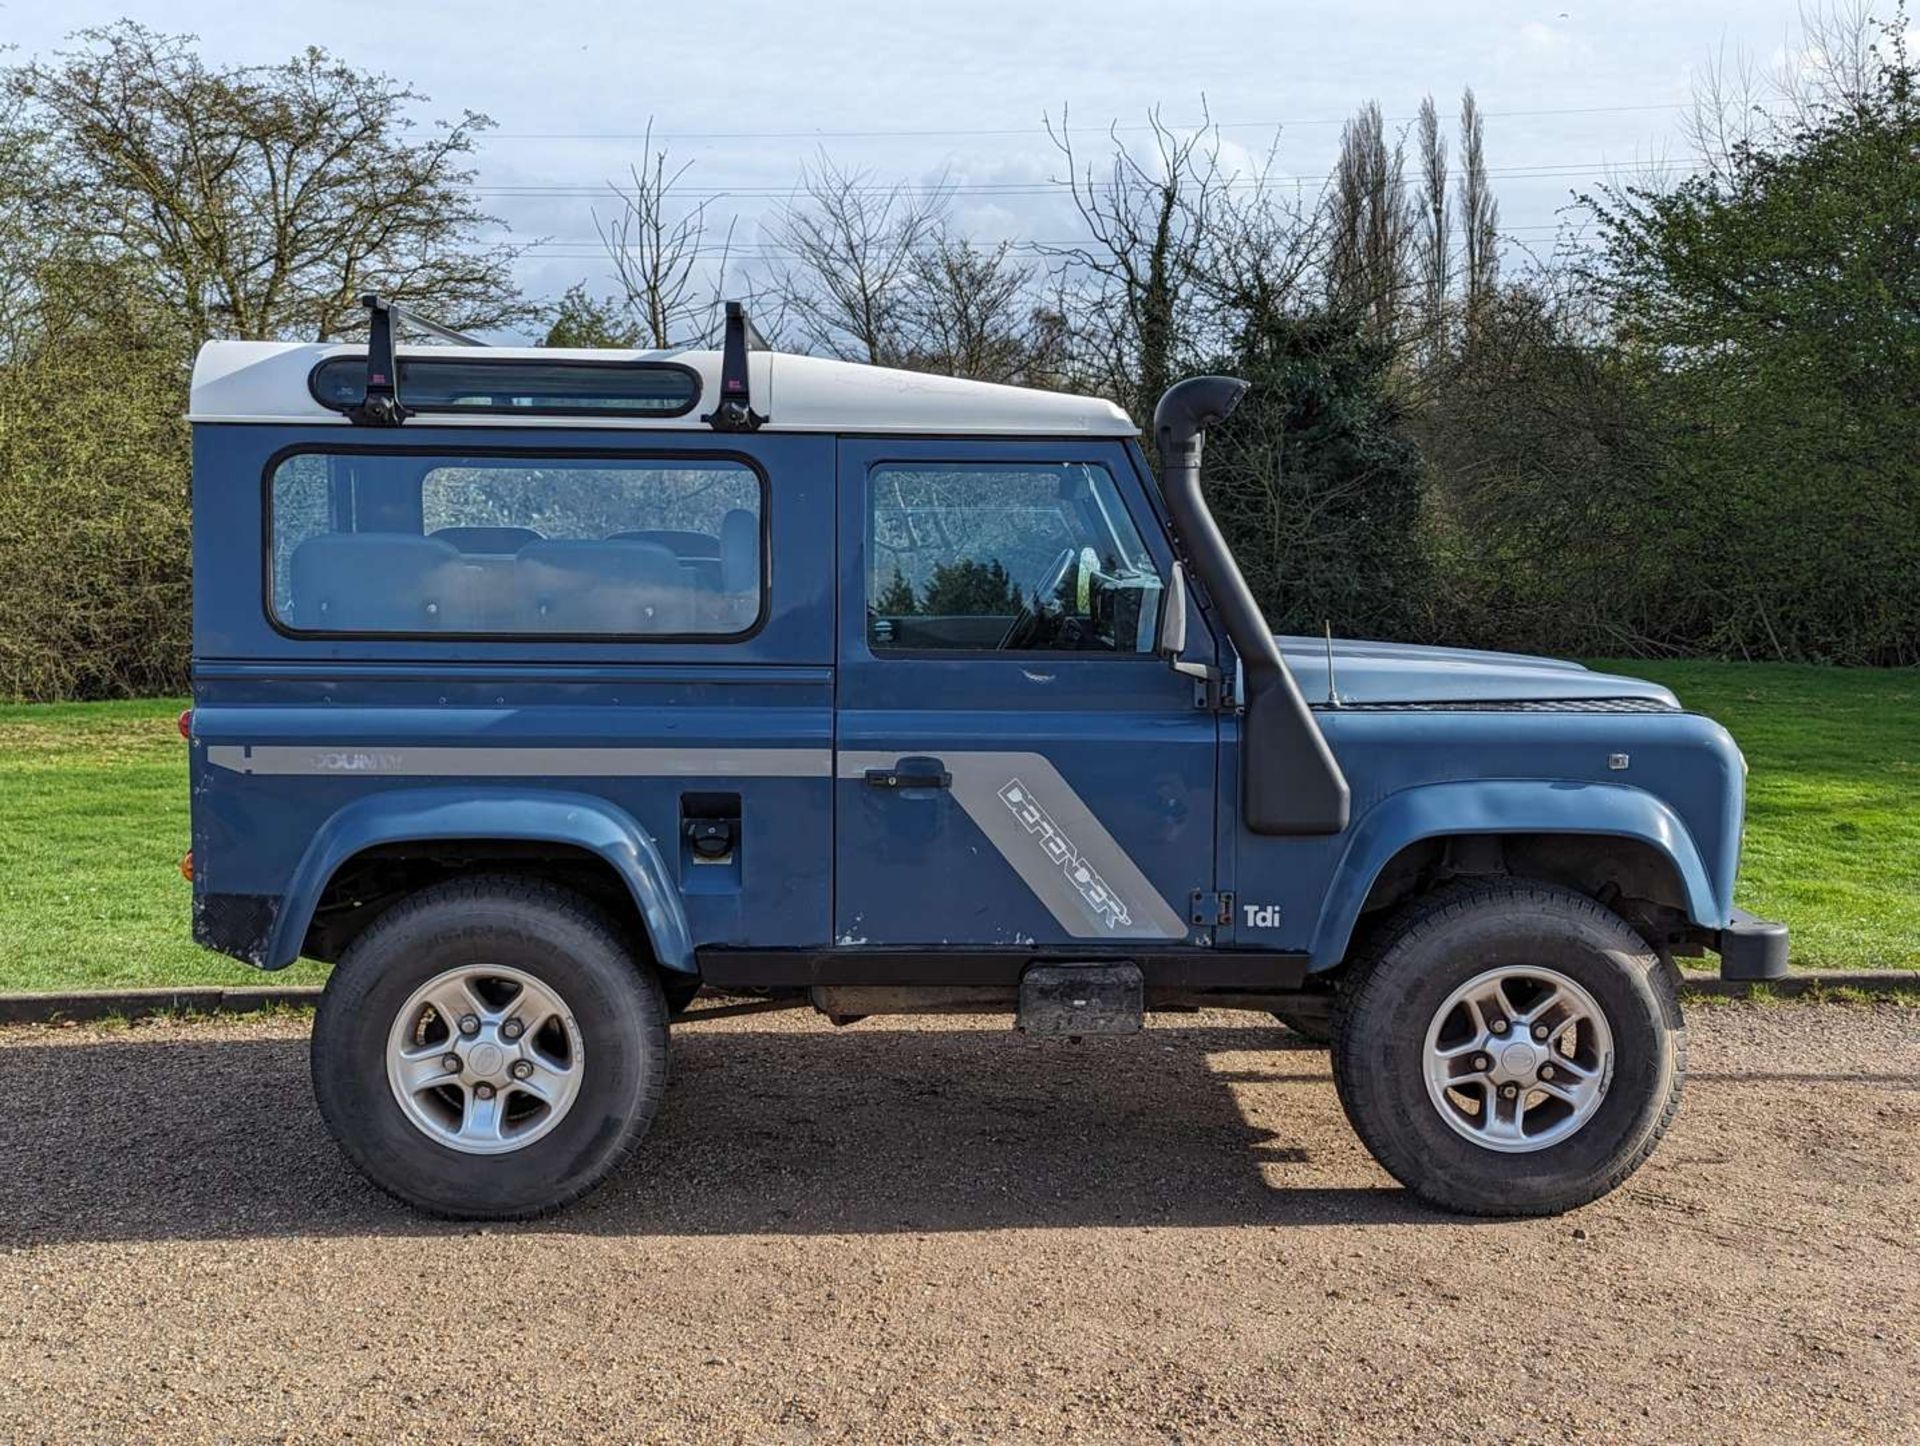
[(489, 1049), (1509, 1049)]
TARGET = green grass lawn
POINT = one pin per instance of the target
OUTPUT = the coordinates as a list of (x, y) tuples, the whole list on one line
[(93, 820), (1833, 802)]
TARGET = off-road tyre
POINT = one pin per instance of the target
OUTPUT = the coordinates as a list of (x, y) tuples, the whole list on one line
[(571, 947), (1390, 993)]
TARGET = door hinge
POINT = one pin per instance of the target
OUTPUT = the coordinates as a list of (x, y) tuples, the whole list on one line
[(1210, 910)]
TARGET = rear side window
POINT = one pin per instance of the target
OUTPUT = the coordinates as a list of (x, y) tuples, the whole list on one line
[(412, 544), (533, 388)]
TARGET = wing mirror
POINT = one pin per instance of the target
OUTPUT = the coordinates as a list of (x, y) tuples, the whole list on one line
[(1170, 633), (1170, 636)]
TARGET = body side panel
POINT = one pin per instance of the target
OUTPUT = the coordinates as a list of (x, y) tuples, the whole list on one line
[(1424, 775)]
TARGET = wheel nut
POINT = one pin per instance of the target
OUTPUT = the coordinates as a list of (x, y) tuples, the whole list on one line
[(1546, 1071), (1499, 1026), (469, 1024), (452, 1064), (1507, 1092), (1482, 1062), (522, 1070), (484, 1091), (513, 1029), (1539, 1031)]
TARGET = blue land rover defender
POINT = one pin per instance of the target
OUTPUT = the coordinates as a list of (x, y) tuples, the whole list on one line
[(538, 689)]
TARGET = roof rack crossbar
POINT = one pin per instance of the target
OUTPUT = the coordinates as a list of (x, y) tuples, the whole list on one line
[(734, 411), (382, 406)]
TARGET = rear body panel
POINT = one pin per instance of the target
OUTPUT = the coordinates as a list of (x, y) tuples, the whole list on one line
[(290, 731)]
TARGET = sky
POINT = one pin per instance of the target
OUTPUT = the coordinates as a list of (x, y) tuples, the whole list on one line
[(750, 91)]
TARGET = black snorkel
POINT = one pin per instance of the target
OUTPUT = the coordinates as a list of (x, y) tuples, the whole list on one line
[(1290, 782)]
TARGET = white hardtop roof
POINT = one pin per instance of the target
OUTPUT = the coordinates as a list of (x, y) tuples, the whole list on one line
[(266, 381)]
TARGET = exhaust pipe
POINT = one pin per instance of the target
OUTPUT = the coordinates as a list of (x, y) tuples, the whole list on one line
[(1290, 782)]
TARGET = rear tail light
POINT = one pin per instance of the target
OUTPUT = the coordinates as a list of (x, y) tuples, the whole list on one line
[(186, 866), (186, 724)]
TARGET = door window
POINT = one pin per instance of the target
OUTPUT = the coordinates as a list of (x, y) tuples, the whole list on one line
[(1016, 557)]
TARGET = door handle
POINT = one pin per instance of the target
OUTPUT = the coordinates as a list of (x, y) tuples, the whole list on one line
[(911, 773)]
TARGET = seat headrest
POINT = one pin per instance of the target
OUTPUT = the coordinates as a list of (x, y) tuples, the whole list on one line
[(486, 539), (740, 552), (375, 582)]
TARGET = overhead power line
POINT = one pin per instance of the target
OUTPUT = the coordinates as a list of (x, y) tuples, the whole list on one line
[(1044, 188), (588, 250), (1131, 128)]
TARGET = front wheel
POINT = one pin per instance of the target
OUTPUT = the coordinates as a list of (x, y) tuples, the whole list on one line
[(489, 1050), (1509, 1049)]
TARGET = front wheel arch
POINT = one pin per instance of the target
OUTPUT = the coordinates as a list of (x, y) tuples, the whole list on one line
[(1584, 839)]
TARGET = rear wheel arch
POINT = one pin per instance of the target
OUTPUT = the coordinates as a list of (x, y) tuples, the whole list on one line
[(367, 884), (385, 847)]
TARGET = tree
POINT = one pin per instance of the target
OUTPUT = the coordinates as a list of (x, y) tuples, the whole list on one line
[(261, 201), (1135, 280), (1435, 234), (1770, 306), (95, 573), (971, 312), (1315, 482), (656, 247), (580, 319), (853, 247), (896, 599), (1547, 517), (1372, 225), (1264, 256), (967, 588), (1479, 211)]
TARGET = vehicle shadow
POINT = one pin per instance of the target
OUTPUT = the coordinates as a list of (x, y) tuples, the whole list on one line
[(764, 1131)]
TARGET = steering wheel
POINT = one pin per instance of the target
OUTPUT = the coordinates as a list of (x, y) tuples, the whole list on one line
[(1049, 588)]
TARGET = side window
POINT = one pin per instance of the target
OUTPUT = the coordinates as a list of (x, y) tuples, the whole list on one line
[(505, 546), (1014, 557)]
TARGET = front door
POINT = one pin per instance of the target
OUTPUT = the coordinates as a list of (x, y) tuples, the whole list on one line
[(1015, 767)]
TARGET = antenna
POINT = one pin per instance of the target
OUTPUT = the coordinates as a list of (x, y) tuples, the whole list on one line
[(1333, 696)]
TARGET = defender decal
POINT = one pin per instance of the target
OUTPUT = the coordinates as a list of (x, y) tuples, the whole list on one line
[(1105, 904), (1059, 849)]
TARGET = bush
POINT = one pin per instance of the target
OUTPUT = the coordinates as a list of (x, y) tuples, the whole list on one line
[(95, 565)]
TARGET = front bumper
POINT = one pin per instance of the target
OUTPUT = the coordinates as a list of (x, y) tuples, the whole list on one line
[(1752, 949)]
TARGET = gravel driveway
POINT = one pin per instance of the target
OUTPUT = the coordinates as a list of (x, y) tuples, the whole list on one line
[(928, 1230)]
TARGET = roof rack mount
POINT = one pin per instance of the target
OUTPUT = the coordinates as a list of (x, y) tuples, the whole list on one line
[(734, 411), (382, 406)]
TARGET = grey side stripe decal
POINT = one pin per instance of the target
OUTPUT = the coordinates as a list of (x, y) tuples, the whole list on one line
[(1052, 840), (405, 762), (1028, 812)]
